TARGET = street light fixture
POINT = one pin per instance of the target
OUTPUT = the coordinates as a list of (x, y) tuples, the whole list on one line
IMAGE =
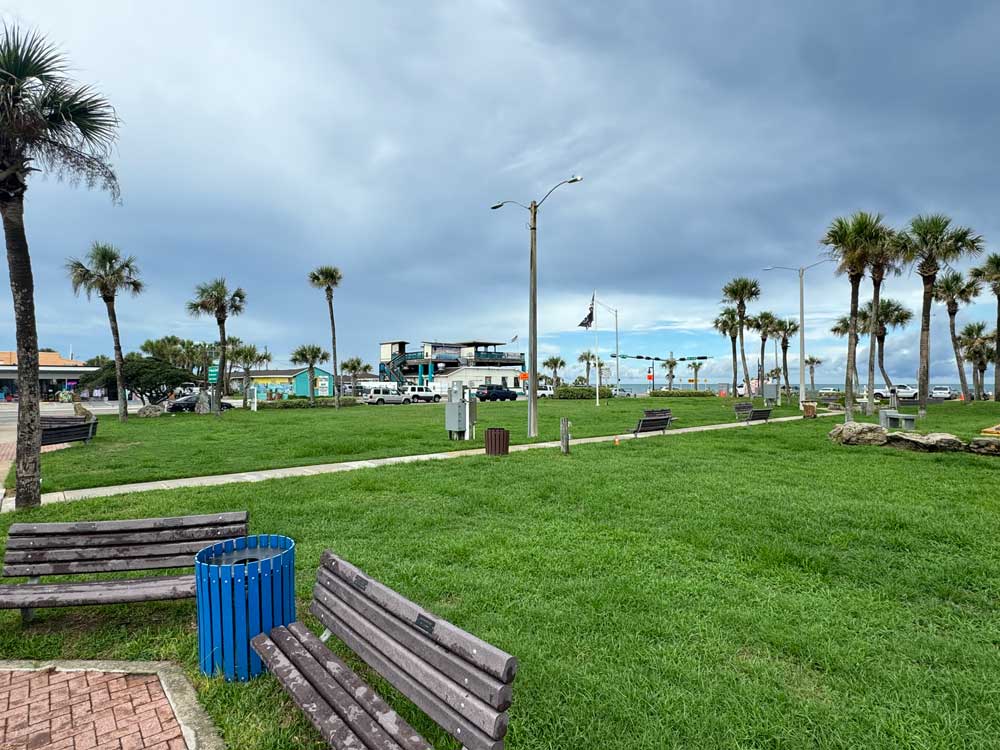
[(802, 321), (533, 303)]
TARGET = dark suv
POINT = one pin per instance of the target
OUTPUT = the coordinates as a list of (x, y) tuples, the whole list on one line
[(493, 392)]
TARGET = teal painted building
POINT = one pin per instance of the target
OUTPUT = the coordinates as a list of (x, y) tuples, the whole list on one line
[(324, 382)]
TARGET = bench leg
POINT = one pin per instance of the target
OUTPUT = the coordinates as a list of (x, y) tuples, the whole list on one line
[(27, 613)]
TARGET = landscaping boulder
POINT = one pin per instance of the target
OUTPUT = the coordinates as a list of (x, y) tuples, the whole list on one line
[(934, 442), (985, 446), (203, 405), (150, 410), (80, 410), (858, 433)]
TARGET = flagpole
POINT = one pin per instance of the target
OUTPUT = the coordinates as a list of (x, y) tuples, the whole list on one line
[(597, 350)]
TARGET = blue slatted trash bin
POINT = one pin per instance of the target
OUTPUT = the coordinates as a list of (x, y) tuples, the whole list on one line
[(244, 587)]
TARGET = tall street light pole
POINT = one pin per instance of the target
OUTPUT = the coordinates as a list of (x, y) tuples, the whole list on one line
[(532, 210), (802, 322)]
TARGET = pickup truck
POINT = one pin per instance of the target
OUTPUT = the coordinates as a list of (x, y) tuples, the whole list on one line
[(902, 391)]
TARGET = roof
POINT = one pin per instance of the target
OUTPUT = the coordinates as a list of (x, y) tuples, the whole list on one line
[(279, 373), (45, 359), (482, 343), (399, 341)]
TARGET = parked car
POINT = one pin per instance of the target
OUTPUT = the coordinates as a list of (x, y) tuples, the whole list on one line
[(943, 391), (617, 392), (833, 392), (546, 391), (384, 394), (420, 393), (494, 392), (902, 391), (187, 403)]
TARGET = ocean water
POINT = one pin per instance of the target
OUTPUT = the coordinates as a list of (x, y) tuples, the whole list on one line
[(714, 385)]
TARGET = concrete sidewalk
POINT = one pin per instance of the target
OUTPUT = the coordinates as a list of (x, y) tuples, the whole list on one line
[(317, 469)]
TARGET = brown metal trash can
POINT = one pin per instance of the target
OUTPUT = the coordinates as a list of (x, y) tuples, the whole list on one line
[(497, 441), (809, 409)]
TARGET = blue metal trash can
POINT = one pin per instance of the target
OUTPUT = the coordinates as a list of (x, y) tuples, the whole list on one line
[(244, 587)]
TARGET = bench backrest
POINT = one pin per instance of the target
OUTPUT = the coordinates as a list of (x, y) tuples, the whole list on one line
[(44, 549), (648, 413), (460, 681), (741, 407), (47, 422), (67, 433), (755, 414)]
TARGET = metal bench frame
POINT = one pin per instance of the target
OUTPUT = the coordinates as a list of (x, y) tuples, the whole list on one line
[(57, 430), (758, 415), (742, 408), (655, 420), (459, 681), (57, 549)]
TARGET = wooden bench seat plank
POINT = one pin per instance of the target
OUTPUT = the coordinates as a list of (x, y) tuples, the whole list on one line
[(484, 655), (471, 736), (139, 524), (484, 716), (128, 538), (320, 714), (79, 593), (352, 713), (73, 554), (481, 684), (361, 691), (107, 565)]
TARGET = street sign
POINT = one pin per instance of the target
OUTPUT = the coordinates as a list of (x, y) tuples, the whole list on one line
[(524, 376), (691, 380), (213, 373)]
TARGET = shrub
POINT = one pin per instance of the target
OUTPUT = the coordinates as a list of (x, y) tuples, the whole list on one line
[(663, 393), (580, 392), (303, 403)]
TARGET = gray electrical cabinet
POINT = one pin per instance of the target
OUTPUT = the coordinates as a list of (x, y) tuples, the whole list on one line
[(460, 412)]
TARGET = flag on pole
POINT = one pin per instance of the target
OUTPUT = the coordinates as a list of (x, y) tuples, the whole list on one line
[(514, 340), (588, 321)]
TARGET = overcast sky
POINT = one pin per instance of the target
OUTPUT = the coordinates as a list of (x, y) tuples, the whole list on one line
[(259, 140)]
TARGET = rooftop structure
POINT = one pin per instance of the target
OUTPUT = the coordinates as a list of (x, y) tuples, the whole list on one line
[(399, 364)]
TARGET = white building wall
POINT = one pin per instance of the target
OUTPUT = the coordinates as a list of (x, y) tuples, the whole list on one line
[(476, 376)]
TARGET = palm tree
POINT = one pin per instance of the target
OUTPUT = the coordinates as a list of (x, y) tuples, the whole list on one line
[(953, 290), (883, 260), (727, 323), (852, 242), (214, 298), (554, 363), (989, 273), (328, 278), (976, 347), (893, 314), (812, 363), (48, 122), (930, 242), (587, 359), (695, 367), (841, 329), (107, 274), (355, 366), (764, 323), (670, 364), (786, 328), (740, 291), (247, 357), (310, 355)]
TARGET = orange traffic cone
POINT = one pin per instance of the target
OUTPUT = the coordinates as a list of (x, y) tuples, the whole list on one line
[(617, 441)]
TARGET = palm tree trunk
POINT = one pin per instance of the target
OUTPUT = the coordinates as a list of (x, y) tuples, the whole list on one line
[(588, 373), (22, 288), (736, 372), (333, 348), (872, 333), (958, 352), (312, 383), (784, 364), (812, 378), (924, 371), (119, 360), (760, 366), (743, 352), (246, 385), (982, 382), (880, 341), (996, 357), (217, 406), (852, 349)]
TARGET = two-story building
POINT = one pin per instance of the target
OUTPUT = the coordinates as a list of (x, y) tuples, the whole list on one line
[(437, 363)]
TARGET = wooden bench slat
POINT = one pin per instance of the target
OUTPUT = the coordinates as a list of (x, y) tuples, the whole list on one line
[(484, 716), (320, 714), (372, 702), (209, 534), (74, 554), (483, 685), (354, 715), (471, 736), (475, 650), (139, 524), (156, 588), (108, 565)]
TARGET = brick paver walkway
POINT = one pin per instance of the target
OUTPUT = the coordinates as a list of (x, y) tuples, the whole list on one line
[(75, 710)]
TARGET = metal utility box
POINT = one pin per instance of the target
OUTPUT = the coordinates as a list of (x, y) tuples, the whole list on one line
[(460, 413), (770, 392)]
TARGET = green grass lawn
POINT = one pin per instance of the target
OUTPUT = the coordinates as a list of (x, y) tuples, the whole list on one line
[(187, 445), (756, 588)]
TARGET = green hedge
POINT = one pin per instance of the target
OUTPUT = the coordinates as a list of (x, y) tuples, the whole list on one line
[(580, 392), (663, 393), (303, 403)]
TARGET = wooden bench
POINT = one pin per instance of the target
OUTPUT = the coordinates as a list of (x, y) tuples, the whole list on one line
[(758, 415), (57, 430), (458, 680), (742, 408), (654, 420), (55, 549)]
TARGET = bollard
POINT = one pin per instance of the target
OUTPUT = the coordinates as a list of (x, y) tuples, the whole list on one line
[(564, 436)]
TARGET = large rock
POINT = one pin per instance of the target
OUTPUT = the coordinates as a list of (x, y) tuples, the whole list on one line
[(858, 433), (203, 405), (934, 442), (985, 446), (80, 410), (150, 410)]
